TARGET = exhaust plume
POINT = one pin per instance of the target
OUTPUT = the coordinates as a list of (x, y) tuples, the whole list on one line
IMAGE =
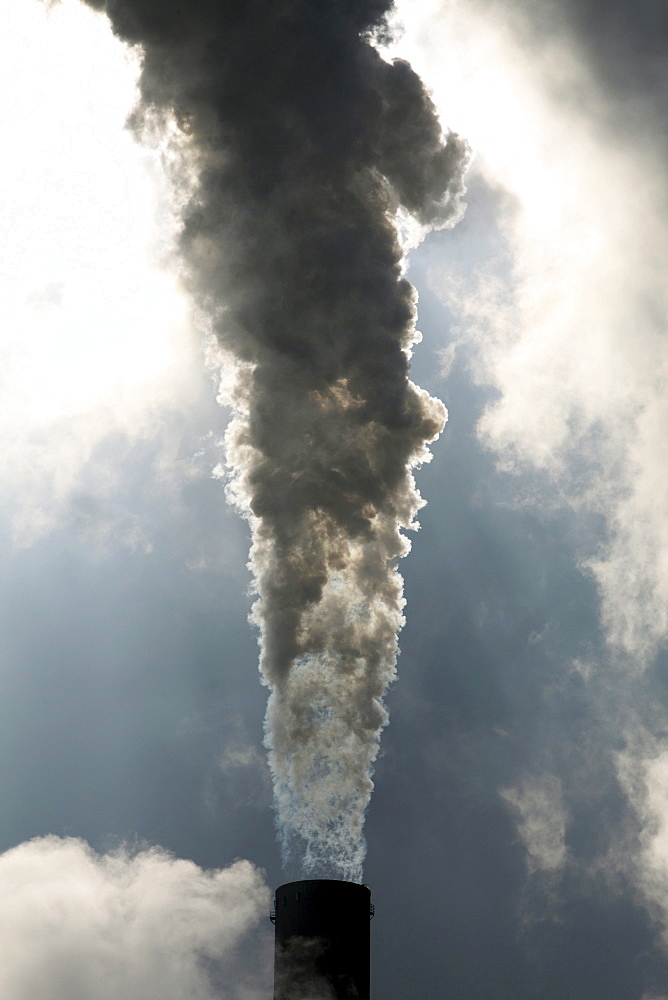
[(297, 148)]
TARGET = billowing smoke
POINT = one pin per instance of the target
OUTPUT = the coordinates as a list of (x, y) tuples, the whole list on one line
[(297, 148), (75, 925)]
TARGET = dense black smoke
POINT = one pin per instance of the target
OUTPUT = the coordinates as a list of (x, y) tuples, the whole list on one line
[(299, 147)]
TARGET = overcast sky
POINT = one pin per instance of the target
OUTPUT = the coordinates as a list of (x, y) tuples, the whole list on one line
[(518, 831)]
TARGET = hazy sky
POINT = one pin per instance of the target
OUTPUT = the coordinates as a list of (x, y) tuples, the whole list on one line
[(518, 831)]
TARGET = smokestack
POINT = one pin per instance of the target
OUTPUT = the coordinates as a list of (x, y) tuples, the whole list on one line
[(322, 948)]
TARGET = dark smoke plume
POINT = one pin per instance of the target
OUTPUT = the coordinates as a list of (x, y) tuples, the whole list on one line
[(299, 147)]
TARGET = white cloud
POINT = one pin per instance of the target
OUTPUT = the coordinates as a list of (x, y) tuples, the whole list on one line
[(569, 325), (75, 925)]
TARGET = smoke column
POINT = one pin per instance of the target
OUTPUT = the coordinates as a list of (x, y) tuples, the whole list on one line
[(298, 146)]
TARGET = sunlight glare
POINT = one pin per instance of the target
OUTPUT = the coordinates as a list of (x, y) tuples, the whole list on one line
[(90, 320)]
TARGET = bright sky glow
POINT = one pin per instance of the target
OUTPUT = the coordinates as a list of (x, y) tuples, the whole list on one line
[(95, 335)]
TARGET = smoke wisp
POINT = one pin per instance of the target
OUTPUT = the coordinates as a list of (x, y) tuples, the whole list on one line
[(296, 147)]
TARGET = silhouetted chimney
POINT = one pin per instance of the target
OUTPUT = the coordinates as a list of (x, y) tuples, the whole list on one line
[(322, 948)]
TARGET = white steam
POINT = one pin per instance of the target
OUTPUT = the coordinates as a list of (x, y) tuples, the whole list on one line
[(76, 925), (541, 820), (569, 325)]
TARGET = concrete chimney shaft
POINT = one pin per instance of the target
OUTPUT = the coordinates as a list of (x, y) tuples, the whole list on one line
[(322, 948)]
